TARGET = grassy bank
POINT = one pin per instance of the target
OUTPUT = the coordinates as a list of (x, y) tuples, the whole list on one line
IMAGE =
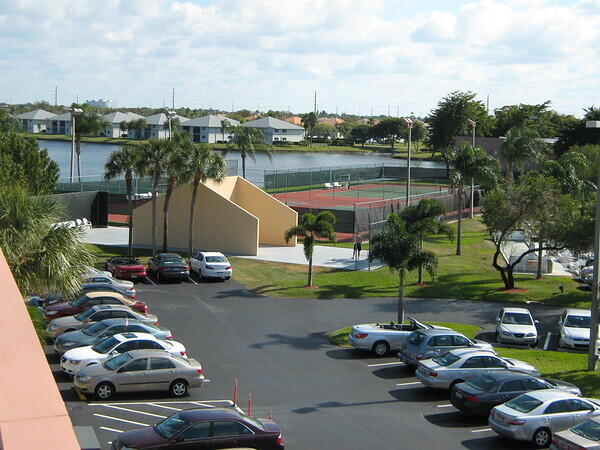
[(38, 323)]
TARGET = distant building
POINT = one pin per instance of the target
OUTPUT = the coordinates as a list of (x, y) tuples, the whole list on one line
[(209, 129), (295, 120), (59, 124), (114, 119), (100, 103), (276, 130), (333, 121), (157, 127), (35, 121)]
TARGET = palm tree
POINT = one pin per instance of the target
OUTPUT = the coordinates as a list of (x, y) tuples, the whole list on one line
[(397, 247), (124, 162), (247, 140), (152, 162), (311, 227), (175, 165), (202, 165), (88, 122), (424, 220), (468, 163), (42, 257), (522, 145), (309, 121), (123, 126)]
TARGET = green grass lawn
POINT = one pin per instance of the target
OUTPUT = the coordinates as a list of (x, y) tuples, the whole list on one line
[(38, 323)]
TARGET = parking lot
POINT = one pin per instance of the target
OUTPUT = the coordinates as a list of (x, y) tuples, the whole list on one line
[(321, 395)]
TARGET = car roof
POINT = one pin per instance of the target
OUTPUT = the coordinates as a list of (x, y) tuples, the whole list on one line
[(472, 352), (545, 395), (130, 335), (108, 287), (578, 312), (212, 413), (119, 321), (110, 307), (512, 309), (148, 353), (112, 294), (436, 331), (168, 255), (212, 253), (503, 375)]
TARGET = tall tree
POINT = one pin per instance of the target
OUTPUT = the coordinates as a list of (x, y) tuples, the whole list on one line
[(468, 163), (397, 247), (576, 132), (42, 257), (309, 228), (546, 122), (123, 126), (88, 122), (309, 121), (7, 123), (419, 133), (360, 134), (202, 165), (522, 145), (424, 220), (323, 130), (152, 162), (138, 125), (125, 162), (174, 167), (247, 141), (390, 129)]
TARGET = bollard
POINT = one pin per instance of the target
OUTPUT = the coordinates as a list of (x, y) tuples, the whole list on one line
[(235, 391), (250, 404)]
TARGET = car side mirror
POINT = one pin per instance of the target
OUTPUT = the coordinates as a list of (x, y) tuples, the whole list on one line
[(497, 319), (536, 321), (114, 352)]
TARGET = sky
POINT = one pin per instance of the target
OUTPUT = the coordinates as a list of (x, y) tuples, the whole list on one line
[(393, 57)]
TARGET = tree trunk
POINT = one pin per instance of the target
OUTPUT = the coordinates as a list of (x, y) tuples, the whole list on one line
[(539, 266), (310, 271), (191, 225), (130, 210), (170, 189), (243, 165), (78, 152), (420, 271), (461, 197), (509, 173), (510, 280), (401, 298), (154, 194)]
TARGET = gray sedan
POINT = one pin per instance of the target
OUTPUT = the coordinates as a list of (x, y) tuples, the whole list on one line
[(96, 314), (140, 371), (536, 415), (585, 435)]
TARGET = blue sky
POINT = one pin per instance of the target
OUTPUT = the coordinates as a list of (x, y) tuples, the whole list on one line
[(400, 56)]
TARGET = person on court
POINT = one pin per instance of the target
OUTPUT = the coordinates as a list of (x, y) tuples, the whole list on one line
[(357, 246)]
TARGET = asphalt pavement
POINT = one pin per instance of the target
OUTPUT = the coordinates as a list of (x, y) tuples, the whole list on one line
[(323, 397)]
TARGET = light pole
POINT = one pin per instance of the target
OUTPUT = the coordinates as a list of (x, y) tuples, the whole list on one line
[(170, 115), (410, 124), (473, 124), (595, 294), (74, 111)]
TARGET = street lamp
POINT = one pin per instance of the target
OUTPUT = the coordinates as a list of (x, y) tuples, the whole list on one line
[(170, 115), (595, 294), (410, 124), (74, 112), (473, 124)]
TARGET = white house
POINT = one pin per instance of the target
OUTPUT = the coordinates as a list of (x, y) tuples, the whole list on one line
[(276, 130), (59, 124), (209, 129), (158, 126), (113, 122), (35, 121)]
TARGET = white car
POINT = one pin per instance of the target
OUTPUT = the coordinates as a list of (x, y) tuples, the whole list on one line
[(75, 359), (515, 325), (89, 270), (211, 264), (575, 328)]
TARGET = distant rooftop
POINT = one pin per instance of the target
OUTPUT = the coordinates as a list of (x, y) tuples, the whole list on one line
[(161, 119), (211, 121), (118, 117), (36, 114), (271, 122)]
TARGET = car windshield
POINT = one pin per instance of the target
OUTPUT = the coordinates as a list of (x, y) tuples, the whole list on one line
[(80, 301), (578, 321), (127, 261), (167, 261), (117, 361), (482, 383), (446, 359), (214, 259), (171, 425), (105, 345), (85, 315), (523, 403), (415, 338), (95, 329), (589, 429), (517, 319)]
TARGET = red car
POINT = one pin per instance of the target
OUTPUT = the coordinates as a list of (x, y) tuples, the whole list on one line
[(90, 299), (125, 268)]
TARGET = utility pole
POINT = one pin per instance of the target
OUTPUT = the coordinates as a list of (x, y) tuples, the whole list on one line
[(173, 103), (473, 124), (55, 95), (397, 110), (388, 110), (315, 107), (232, 107), (487, 107), (593, 350), (371, 111), (77, 97), (336, 110)]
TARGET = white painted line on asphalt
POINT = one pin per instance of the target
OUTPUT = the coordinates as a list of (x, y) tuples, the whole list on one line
[(121, 420), (385, 364), (155, 403), (120, 408), (444, 406), (190, 279), (481, 431), (548, 336), (150, 281), (203, 404), (163, 406), (111, 429), (412, 383)]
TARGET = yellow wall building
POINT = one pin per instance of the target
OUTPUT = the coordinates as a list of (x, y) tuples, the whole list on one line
[(234, 216)]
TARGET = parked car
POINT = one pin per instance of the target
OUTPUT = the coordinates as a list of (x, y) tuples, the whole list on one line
[(140, 370), (206, 428), (89, 270), (53, 299), (575, 328), (458, 366), (583, 436), (425, 344), (168, 266), (86, 301), (77, 358), (211, 264), (108, 279), (103, 329), (481, 394), (536, 415), (96, 314), (381, 338), (515, 325), (125, 267)]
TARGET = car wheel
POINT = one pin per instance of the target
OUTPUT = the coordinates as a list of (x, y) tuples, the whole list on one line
[(454, 383), (381, 348), (227, 278), (104, 391), (157, 277), (178, 388), (542, 438), (535, 344), (561, 344), (498, 338)]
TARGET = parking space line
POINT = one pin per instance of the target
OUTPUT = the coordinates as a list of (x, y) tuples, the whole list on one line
[(134, 411), (166, 407), (121, 420), (547, 343), (444, 406), (384, 364), (111, 429), (412, 383), (481, 431), (150, 281), (191, 279), (203, 404)]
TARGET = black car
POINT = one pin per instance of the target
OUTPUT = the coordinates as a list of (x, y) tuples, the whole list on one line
[(208, 428), (481, 394), (168, 266)]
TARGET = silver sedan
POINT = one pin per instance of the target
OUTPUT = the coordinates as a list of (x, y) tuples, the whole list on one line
[(534, 416)]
